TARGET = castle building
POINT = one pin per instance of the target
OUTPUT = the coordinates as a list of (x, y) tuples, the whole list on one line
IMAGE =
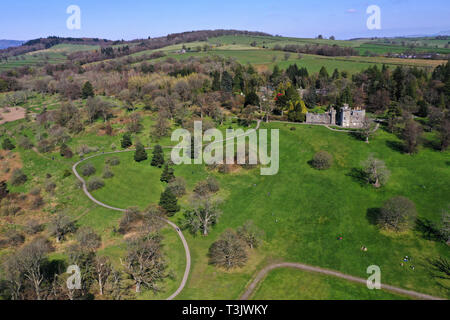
[(346, 117)]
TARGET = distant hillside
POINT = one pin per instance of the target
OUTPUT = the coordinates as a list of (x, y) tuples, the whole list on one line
[(10, 43)]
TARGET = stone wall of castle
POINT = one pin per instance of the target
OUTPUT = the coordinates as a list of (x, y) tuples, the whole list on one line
[(318, 118), (347, 118)]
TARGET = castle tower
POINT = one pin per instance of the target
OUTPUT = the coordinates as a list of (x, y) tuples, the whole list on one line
[(333, 116), (345, 116)]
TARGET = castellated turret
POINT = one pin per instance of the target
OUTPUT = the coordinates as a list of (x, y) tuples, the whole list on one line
[(346, 117)]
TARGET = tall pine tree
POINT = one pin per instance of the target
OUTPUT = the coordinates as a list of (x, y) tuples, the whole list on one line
[(169, 202), (3, 190), (158, 156), (167, 174), (87, 90), (140, 154), (126, 141)]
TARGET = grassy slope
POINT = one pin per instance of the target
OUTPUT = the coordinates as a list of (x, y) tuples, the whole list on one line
[(362, 45), (292, 284), (312, 209), (264, 58)]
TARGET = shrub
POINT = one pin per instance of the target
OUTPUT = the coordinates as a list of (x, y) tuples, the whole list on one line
[(67, 173), (88, 170), (50, 186), (18, 178), (207, 186), (65, 151), (3, 190), (113, 161), (37, 202), (88, 239), (84, 149), (35, 191), (7, 144), (224, 168), (95, 184), (130, 216), (14, 238), (178, 187), (45, 146), (25, 143), (9, 208), (398, 214), (322, 160), (107, 173), (33, 226)]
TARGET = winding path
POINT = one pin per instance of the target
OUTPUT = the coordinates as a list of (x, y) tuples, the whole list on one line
[(326, 126), (264, 271), (173, 225), (251, 288)]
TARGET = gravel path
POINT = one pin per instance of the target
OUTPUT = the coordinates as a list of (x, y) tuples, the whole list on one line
[(264, 271), (251, 288), (173, 225)]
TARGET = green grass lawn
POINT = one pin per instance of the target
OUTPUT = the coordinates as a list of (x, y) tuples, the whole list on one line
[(293, 284), (312, 208), (313, 63)]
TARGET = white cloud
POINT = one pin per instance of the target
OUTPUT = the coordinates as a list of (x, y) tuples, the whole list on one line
[(351, 10)]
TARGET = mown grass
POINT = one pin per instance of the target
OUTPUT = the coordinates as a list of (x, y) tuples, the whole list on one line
[(265, 59), (292, 284), (303, 211)]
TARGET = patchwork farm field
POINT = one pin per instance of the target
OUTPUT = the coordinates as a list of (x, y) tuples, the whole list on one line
[(267, 59)]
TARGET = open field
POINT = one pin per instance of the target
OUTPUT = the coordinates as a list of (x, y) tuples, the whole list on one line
[(54, 55), (292, 284), (362, 45), (311, 217), (265, 59), (240, 48)]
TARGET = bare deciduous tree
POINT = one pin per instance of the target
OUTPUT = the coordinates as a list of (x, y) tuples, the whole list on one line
[(250, 234), (229, 251), (204, 214), (61, 225), (144, 262), (375, 171), (30, 260), (103, 271), (397, 214)]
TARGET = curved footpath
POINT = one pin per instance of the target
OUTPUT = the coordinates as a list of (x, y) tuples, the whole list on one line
[(251, 288), (264, 271), (173, 225)]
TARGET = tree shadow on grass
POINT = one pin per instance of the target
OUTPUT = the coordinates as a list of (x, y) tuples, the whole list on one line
[(428, 229), (357, 136), (431, 144), (372, 215), (396, 146), (358, 175)]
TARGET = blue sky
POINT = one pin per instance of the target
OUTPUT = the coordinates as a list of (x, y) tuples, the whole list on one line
[(131, 19)]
